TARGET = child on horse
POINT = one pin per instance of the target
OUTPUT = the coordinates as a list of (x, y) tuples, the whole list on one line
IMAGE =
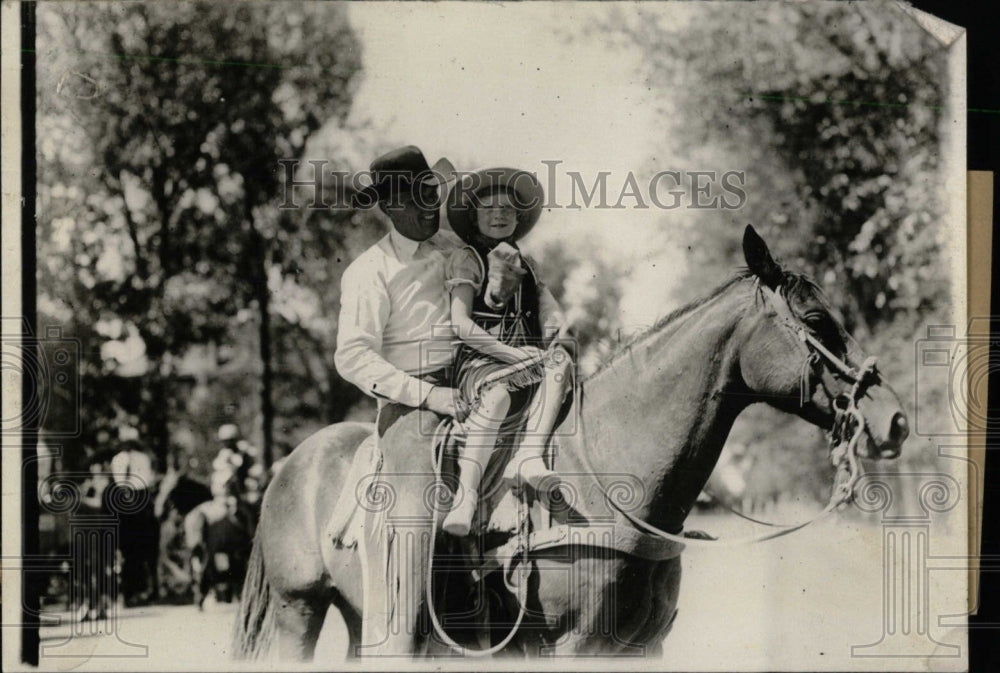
[(504, 326)]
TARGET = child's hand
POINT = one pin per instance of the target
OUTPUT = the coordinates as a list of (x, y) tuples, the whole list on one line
[(505, 274), (505, 252)]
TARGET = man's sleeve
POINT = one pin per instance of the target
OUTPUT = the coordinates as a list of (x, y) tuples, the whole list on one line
[(119, 466), (364, 311)]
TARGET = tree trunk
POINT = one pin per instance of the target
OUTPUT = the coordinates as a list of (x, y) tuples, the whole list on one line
[(263, 296), (266, 404)]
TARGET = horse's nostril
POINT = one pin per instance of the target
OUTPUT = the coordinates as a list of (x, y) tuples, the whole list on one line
[(890, 453), (900, 429)]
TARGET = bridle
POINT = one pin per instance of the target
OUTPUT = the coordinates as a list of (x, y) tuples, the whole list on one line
[(845, 434), (849, 423)]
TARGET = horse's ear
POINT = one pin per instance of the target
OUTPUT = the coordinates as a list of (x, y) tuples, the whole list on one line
[(759, 259)]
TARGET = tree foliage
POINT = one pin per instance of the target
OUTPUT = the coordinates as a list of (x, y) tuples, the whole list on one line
[(161, 127), (588, 292), (834, 111)]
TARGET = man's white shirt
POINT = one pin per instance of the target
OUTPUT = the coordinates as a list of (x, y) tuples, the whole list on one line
[(395, 317), (133, 468)]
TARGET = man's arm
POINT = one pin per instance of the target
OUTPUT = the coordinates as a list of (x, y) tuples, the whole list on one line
[(364, 312)]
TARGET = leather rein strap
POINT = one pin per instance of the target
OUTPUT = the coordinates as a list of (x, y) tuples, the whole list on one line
[(848, 429), (643, 540)]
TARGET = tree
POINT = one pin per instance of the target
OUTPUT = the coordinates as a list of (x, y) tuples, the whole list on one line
[(158, 202), (834, 110), (588, 292)]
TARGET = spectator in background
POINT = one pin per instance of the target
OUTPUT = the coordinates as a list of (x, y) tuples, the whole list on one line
[(96, 569), (139, 531), (177, 495), (219, 534), (235, 458), (177, 489)]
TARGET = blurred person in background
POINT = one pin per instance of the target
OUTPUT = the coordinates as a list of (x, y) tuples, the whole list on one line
[(96, 574), (235, 458), (139, 531), (178, 489), (177, 495), (219, 533)]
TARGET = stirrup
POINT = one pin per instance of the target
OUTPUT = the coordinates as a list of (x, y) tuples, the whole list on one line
[(459, 519), (541, 479)]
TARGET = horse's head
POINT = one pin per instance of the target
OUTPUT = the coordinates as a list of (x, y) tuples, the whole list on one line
[(795, 355)]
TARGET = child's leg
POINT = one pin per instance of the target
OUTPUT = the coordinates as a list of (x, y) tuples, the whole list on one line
[(558, 373), (483, 427), (528, 465)]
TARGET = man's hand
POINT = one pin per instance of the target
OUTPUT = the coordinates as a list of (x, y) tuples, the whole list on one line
[(532, 353), (443, 401)]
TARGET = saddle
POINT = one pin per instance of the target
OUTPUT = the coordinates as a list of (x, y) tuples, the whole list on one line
[(344, 526), (508, 530), (500, 528), (497, 516)]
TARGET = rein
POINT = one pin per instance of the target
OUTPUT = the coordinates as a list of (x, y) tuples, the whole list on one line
[(519, 588), (848, 427)]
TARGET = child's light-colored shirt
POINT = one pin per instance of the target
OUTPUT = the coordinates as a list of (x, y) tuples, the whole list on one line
[(464, 267)]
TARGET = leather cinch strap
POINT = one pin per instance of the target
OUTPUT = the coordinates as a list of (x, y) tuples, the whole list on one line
[(616, 537)]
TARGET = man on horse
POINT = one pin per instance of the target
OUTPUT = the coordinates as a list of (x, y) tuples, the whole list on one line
[(393, 303), (395, 338), (661, 413)]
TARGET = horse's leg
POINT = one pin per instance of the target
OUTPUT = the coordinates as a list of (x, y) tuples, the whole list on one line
[(299, 621), (619, 605), (664, 589), (352, 621), (407, 583)]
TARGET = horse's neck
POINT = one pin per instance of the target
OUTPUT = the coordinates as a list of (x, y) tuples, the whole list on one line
[(661, 412)]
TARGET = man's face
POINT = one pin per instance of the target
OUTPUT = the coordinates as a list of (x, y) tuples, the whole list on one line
[(416, 213)]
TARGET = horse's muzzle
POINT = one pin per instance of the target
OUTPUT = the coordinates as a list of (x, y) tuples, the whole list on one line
[(899, 430), (887, 424)]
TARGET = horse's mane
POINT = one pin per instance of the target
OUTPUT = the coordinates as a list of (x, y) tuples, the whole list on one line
[(792, 285)]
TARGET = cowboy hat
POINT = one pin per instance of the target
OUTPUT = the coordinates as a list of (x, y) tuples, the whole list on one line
[(526, 194), (401, 169)]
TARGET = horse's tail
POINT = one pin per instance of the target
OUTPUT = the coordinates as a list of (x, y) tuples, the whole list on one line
[(254, 628)]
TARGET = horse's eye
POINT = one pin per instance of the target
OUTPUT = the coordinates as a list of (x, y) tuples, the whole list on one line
[(814, 318), (825, 328)]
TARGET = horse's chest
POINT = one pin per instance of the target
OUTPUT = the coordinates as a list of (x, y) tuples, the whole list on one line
[(598, 596)]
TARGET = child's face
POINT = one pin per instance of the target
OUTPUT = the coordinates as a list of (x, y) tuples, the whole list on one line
[(496, 216)]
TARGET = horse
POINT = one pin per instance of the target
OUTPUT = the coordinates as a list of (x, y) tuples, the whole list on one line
[(658, 413)]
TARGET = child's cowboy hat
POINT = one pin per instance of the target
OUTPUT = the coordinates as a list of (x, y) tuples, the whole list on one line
[(401, 169), (525, 192)]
